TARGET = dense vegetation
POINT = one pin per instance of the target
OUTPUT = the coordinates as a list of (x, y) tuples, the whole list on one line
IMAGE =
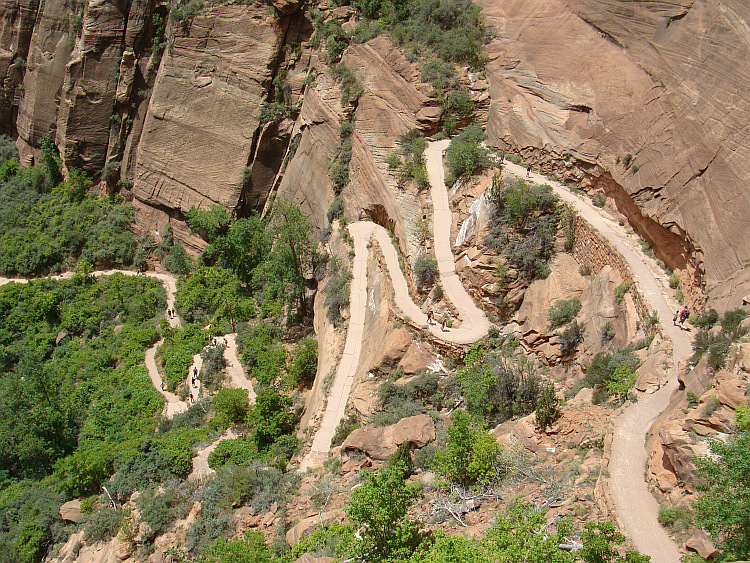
[(74, 396), (47, 225)]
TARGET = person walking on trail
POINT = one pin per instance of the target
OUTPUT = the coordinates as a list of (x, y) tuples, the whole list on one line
[(684, 316), (429, 316), (442, 326), (676, 316), (528, 171), (191, 398), (169, 312), (174, 314), (162, 386)]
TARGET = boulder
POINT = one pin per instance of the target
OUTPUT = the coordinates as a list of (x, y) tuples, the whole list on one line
[(380, 443), (310, 523), (653, 373), (71, 511), (417, 358), (701, 544)]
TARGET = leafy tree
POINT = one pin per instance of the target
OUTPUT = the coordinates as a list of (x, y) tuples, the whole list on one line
[(210, 222), (425, 270), (470, 454), (270, 418), (244, 247), (292, 257), (723, 507), (621, 382), (178, 261), (380, 506), (305, 362)]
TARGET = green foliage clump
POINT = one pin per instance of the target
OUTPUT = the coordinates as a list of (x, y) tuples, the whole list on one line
[(351, 90), (410, 399), (304, 363), (379, 506), (466, 155), (547, 408), (338, 168), (605, 365), (177, 351), (232, 404), (621, 382), (724, 499), (471, 454), (674, 518), (213, 295), (716, 344), (337, 295), (103, 524), (48, 226), (523, 225), (425, 271), (570, 338), (408, 159), (498, 385), (271, 421), (336, 209), (563, 311), (159, 510), (238, 451), (250, 548), (621, 290), (262, 352)]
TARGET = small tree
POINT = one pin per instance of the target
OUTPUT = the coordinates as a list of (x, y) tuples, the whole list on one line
[(547, 408), (426, 271), (466, 155), (380, 506), (232, 403), (622, 380)]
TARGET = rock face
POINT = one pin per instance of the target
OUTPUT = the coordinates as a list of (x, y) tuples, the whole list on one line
[(204, 112), (648, 79), (379, 443)]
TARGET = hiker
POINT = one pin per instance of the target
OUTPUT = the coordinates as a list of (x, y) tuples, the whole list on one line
[(174, 314), (442, 326), (192, 382), (676, 316), (191, 398), (162, 386), (195, 372), (684, 315), (169, 312), (225, 343), (502, 157), (528, 171), (429, 316)]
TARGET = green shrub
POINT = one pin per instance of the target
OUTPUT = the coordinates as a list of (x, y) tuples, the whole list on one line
[(603, 366), (347, 425), (232, 403), (562, 312), (103, 524), (425, 271), (159, 510), (437, 292), (237, 451), (692, 399), (621, 381), (547, 408), (599, 200), (570, 338), (621, 290), (178, 261), (337, 295), (674, 517), (304, 364), (336, 209), (466, 155), (607, 331), (674, 280), (470, 454)]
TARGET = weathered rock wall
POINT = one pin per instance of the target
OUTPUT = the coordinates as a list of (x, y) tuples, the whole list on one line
[(600, 79), (203, 116)]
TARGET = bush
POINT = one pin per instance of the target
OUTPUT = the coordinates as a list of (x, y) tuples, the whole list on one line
[(620, 383), (304, 364), (674, 280), (425, 271), (603, 366), (232, 403), (466, 155), (336, 209), (470, 455), (337, 295), (102, 524), (599, 200), (674, 517), (562, 312), (178, 261), (347, 425), (437, 292), (621, 290), (570, 338), (547, 408), (237, 451)]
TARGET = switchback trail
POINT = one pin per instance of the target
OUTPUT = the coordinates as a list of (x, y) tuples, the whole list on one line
[(635, 506), (474, 324)]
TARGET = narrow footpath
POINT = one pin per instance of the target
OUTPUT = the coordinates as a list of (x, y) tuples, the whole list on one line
[(635, 506)]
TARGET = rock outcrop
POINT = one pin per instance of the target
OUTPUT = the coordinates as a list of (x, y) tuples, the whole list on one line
[(379, 443)]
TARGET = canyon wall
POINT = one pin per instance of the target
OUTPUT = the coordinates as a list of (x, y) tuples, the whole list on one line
[(578, 85), (643, 101)]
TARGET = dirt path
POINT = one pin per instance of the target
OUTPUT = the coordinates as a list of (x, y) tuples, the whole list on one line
[(636, 507), (474, 324)]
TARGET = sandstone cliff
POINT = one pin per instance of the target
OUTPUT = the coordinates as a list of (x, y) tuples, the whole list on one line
[(577, 86)]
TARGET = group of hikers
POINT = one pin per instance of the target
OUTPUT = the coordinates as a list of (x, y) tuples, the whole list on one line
[(680, 316), (430, 318)]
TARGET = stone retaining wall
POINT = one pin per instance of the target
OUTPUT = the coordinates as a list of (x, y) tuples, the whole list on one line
[(592, 250)]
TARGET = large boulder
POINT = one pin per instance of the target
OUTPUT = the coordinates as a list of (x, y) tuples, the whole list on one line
[(71, 511), (307, 525), (380, 443)]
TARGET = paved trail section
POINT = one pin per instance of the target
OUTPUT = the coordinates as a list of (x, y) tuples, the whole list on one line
[(635, 506), (474, 324)]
